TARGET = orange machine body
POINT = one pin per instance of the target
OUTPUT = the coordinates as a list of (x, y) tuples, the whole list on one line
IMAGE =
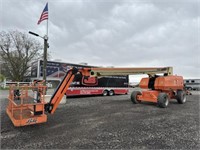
[(167, 84), (163, 83)]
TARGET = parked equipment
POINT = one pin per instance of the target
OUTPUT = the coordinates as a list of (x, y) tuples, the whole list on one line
[(157, 89)]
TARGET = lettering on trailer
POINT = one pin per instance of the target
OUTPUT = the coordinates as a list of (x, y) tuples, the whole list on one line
[(88, 91), (31, 121)]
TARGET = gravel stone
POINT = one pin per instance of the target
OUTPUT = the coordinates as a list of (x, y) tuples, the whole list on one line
[(111, 122)]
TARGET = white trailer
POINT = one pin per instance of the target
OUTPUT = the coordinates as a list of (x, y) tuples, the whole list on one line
[(192, 84)]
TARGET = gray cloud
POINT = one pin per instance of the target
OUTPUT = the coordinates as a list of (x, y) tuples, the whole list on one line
[(115, 33)]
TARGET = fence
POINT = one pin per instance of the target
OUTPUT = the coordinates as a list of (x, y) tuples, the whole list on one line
[(6, 84)]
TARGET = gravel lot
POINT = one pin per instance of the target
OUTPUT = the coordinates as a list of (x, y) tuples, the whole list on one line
[(108, 123)]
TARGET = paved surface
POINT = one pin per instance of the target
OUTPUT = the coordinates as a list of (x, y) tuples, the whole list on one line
[(108, 123)]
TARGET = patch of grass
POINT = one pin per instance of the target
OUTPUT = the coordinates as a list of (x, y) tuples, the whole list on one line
[(1, 88)]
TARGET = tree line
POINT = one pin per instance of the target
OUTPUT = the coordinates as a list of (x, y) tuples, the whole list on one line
[(17, 51)]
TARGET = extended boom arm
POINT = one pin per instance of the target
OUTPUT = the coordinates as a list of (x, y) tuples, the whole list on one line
[(62, 88), (130, 71), (60, 91), (65, 83)]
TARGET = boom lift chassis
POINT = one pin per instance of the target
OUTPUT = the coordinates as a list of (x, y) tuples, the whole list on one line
[(158, 89)]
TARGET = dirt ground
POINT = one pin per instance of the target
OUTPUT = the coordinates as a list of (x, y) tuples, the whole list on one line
[(111, 122)]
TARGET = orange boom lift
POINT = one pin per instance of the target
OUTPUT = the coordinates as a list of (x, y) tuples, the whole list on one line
[(158, 89)]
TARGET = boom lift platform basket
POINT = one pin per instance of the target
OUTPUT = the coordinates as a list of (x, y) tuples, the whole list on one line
[(22, 109)]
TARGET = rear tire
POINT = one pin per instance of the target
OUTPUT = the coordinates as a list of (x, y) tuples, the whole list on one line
[(163, 100), (134, 95), (181, 97), (111, 93), (105, 93)]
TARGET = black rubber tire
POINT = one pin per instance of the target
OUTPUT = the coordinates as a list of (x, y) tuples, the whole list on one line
[(111, 93), (181, 96), (105, 93), (163, 100), (134, 97)]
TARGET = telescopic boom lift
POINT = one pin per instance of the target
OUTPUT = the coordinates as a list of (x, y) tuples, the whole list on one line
[(157, 89)]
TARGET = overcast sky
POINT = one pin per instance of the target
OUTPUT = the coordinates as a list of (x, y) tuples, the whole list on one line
[(129, 33)]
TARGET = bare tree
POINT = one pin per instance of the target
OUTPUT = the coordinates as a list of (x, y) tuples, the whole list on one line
[(17, 51)]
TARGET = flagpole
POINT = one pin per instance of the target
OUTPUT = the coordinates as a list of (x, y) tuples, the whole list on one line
[(45, 55), (47, 18), (44, 16), (47, 26)]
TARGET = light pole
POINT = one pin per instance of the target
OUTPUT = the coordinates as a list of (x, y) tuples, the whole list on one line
[(45, 38)]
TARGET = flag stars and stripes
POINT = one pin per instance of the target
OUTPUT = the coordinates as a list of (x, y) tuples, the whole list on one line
[(44, 15)]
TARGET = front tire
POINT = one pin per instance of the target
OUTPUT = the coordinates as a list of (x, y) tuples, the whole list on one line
[(105, 93), (163, 100), (181, 97), (134, 95)]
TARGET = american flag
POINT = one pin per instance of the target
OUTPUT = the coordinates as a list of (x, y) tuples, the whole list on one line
[(44, 15)]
